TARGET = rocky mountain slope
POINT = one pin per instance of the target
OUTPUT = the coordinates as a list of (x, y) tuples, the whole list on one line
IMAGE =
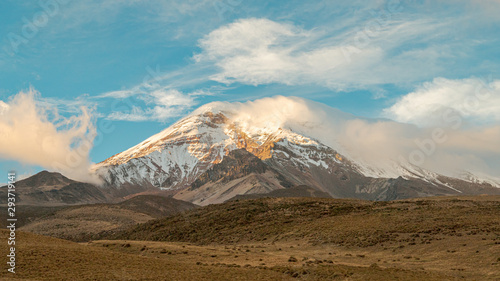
[(46, 188), (240, 172)]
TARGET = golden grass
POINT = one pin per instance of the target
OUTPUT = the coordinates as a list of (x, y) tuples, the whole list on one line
[(45, 258), (286, 239)]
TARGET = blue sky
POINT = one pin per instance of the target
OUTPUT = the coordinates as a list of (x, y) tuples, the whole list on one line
[(141, 65)]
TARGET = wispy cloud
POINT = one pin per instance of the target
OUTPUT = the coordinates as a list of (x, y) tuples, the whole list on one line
[(159, 97), (261, 51), (158, 105), (434, 103)]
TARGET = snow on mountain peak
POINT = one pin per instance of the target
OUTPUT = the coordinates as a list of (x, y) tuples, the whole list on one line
[(190, 146)]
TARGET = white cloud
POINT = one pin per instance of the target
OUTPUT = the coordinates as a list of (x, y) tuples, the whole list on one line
[(252, 51), (436, 102), (117, 94), (135, 114), (452, 152), (36, 135), (157, 105), (157, 97), (3, 107), (260, 51)]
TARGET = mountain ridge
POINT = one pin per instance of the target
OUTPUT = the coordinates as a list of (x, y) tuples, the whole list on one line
[(176, 157), (52, 188)]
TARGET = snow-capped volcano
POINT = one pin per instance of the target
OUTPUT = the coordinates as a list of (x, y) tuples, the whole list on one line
[(175, 157), (308, 142)]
